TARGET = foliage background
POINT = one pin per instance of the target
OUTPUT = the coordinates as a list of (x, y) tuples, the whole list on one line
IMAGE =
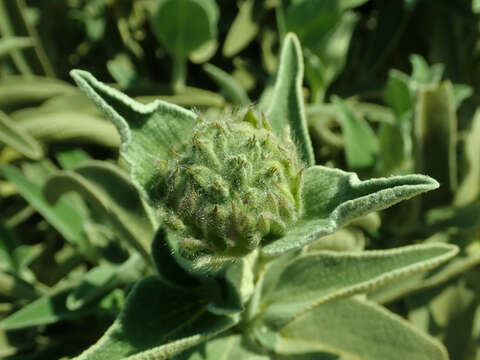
[(407, 72)]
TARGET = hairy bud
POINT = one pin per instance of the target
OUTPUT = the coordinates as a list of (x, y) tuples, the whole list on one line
[(233, 184)]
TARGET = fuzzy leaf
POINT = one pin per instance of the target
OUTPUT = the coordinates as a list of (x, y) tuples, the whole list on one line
[(361, 143), (109, 189), (185, 25), (359, 330), (243, 29), (229, 346), (333, 197), (397, 93), (157, 322), (469, 188), (21, 91), (468, 258), (11, 43), (64, 217), (147, 131), (286, 106), (45, 310), (315, 278), (435, 134), (229, 87), (102, 279), (72, 127), (20, 140), (312, 20)]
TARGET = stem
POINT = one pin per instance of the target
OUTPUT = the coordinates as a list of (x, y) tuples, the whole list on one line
[(179, 74)]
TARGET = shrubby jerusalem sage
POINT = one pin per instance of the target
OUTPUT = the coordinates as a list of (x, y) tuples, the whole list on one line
[(237, 198)]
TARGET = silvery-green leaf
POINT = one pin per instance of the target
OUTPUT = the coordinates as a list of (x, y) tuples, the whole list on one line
[(361, 143), (229, 87), (109, 189), (48, 309), (468, 258), (332, 198), (10, 43), (469, 188), (239, 280), (344, 239), (397, 92), (324, 64), (70, 158), (185, 25), (204, 52), (311, 20), (286, 104), (348, 4), (18, 91), (461, 92), (244, 28), (157, 322), (360, 330), (171, 267), (423, 74), (13, 287), (318, 277), (226, 346), (435, 135), (66, 218), (72, 127), (147, 131), (100, 280), (19, 139), (450, 309)]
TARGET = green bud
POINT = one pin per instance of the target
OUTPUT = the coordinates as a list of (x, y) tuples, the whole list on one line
[(231, 185)]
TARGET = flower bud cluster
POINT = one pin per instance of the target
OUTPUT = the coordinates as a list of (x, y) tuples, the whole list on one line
[(232, 185)]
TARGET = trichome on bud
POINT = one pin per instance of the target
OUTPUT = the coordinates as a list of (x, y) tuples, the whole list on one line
[(231, 185)]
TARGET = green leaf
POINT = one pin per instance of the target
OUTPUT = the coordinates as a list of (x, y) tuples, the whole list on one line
[(244, 28), (360, 330), (397, 93), (229, 87), (332, 198), (72, 127), (167, 261), (157, 322), (43, 311), (19, 139), (318, 277), (12, 288), (64, 217), (102, 279), (435, 136), (468, 258), (461, 92), (361, 143), (109, 189), (16, 91), (225, 346), (147, 131), (311, 20), (185, 25), (348, 4), (423, 74), (11, 43), (324, 64), (286, 106), (70, 158), (469, 188)]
